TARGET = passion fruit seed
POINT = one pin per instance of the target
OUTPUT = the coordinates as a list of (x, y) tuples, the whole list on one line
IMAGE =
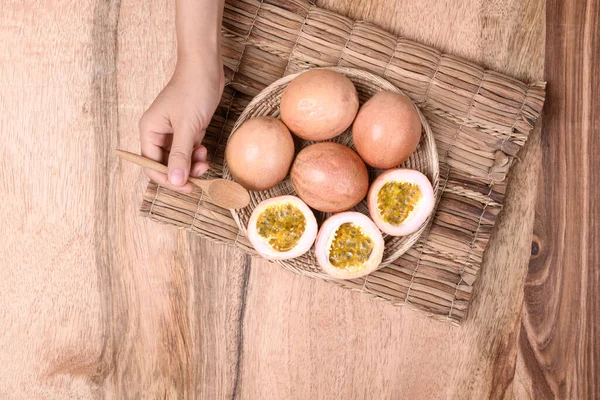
[(396, 200), (350, 247), (282, 224)]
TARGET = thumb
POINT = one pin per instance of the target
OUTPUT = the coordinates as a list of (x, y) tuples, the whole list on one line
[(180, 156)]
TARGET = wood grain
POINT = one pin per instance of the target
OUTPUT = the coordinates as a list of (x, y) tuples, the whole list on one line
[(99, 303), (50, 305), (559, 350)]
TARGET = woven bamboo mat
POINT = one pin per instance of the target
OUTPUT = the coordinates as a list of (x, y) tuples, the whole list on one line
[(480, 120)]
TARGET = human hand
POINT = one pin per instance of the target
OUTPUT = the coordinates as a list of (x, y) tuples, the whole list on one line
[(172, 128)]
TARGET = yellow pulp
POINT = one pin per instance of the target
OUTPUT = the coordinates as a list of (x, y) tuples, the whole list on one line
[(350, 247), (282, 224), (396, 200)]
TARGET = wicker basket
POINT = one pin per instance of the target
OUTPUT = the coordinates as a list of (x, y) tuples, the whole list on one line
[(424, 159)]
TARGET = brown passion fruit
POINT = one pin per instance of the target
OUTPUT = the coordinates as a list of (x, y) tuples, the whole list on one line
[(329, 177), (259, 153), (386, 130), (319, 104), (400, 201), (282, 227), (349, 246)]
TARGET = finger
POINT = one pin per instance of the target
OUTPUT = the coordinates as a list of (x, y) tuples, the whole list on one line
[(152, 142), (153, 151), (155, 119), (155, 133), (150, 147), (199, 168), (167, 142), (162, 180), (180, 156), (199, 154)]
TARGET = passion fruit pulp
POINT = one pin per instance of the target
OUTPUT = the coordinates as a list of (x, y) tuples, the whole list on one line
[(349, 245), (396, 200), (282, 227), (400, 201)]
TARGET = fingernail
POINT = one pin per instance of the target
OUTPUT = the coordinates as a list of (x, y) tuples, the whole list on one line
[(176, 177)]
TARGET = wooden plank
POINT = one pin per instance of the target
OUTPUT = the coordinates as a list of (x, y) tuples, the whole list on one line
[(174, 312), (310, 341), (559, 350), (51, 327)]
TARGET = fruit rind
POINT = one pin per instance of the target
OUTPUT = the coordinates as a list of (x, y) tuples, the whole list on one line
[(422, 210), (326, 237), (261, 244)]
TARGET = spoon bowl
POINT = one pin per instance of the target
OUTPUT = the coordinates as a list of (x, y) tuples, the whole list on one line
[(230, 194)]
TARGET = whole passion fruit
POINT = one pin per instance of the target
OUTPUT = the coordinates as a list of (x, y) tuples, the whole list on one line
[(387, 130), (282, 227), (400, 201), (319, 104), (329, 177), (260, 152), (349, 245)]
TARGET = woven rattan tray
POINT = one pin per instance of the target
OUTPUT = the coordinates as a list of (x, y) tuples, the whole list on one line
[(424, 159), (480, 120)]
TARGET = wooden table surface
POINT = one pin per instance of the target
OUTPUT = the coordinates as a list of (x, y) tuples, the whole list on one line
[(96, 302)]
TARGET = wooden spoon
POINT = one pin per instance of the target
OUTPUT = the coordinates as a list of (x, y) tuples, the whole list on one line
[(223, 192)]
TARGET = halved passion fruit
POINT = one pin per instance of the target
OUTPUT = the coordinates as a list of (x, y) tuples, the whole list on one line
[(282, 227), (349, 245), (400, 201)]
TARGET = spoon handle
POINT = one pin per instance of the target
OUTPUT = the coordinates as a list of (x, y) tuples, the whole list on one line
[(156, 166)]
